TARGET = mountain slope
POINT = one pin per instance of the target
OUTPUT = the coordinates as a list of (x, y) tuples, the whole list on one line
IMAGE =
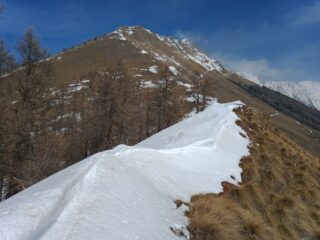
[(129, 192), (291, 89), (306, 92), (138, 47)]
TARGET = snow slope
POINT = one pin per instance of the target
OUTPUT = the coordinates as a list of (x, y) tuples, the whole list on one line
[(129, 192), (291, 89), (307, 92), (313, 89)]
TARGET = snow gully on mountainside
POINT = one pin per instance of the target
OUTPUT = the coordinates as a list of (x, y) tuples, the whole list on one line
[(129, 192)]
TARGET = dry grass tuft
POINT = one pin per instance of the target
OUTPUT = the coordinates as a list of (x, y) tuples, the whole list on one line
[(279, 197)]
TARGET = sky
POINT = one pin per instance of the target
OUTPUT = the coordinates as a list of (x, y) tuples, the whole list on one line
[(274, 39)]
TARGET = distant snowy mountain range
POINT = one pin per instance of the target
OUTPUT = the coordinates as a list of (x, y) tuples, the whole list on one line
[(307, 92)]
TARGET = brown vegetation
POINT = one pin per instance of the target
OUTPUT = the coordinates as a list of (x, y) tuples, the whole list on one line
[(278, 198)]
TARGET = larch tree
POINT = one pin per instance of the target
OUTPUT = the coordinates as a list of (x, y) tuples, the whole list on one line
[(6, 59), (202, 88), (6, 141), (32, 81)]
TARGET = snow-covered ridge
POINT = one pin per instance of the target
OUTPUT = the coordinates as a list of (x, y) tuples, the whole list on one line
[(129, 192)]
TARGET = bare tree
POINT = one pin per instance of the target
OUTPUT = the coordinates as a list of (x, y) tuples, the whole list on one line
[(30, 50), (30, 109), (6, 59), (202, 88), (6, 134), (6, 138), (166, 95)]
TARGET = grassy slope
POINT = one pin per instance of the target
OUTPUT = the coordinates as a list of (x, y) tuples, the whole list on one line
[(279, 195)]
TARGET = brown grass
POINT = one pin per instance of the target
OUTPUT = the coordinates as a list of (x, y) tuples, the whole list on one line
[(279, 197)]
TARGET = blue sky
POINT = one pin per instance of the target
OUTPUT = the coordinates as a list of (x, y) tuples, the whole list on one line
[(276, 39)]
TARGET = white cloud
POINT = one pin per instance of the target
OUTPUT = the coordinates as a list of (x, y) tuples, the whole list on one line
[(264, 69), (306, 15), (194, 37), (260, 68)]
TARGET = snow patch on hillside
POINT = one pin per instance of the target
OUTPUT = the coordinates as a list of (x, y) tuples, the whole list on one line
[(143, 51), (129, 192), (148, 84), (186, 85), (205, 61), (118, 34), (130, 30), (153, 69), (173, 70)]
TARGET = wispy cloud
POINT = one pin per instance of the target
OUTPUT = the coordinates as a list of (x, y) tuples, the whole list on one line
[(259, 67), (265, 69), (308, 14), (262, 68), (194, 37)]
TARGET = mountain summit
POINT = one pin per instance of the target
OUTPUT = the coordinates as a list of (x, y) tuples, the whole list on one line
[(138, 47)]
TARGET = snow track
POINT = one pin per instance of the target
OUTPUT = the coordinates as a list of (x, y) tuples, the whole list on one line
[(129, 192)]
